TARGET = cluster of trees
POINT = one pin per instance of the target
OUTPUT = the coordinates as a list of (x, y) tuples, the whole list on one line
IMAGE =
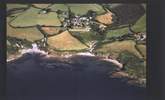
[(133, 65)]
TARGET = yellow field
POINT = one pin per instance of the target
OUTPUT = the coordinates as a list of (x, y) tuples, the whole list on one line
[(65, 41), (51, 30), (105, 19)]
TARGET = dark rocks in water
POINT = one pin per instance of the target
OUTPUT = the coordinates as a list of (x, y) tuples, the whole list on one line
[(88, 80)]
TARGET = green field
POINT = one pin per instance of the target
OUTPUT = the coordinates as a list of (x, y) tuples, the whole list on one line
[(61, 7), (140, 25), (13, 6), (115, 48), (86, 37), (116, 32), (82, 9), (31, 17), (30, 34)]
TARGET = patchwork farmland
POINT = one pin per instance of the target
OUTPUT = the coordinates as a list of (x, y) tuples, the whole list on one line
[(107, 31)]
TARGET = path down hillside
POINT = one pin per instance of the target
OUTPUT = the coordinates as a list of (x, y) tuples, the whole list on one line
[(36, 77)]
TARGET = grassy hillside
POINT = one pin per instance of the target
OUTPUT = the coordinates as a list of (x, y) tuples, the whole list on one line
[(115, 48), (134, 66)]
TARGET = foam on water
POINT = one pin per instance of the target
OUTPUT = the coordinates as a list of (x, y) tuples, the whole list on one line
[(86, 54), (33, 50), (36, 50)]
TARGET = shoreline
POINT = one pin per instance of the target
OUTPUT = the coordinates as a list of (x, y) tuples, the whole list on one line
[(46, 55)]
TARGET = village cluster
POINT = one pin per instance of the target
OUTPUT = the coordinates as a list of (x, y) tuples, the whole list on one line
[(77, 22)]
